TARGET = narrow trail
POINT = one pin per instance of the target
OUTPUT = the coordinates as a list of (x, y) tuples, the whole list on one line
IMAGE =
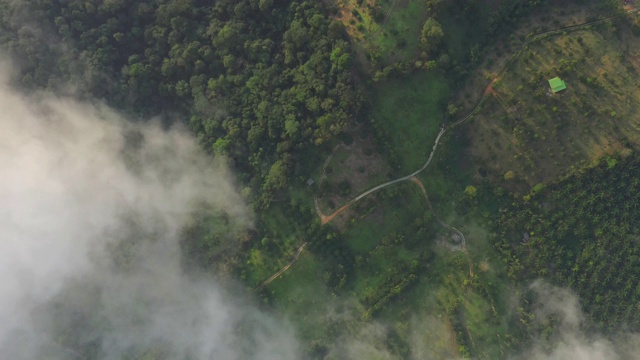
[(284, 268), (324, 219), (463, 240), (386, 18), (489, 89)]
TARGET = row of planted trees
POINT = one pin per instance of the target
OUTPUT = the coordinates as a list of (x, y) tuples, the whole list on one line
[(582, 232)]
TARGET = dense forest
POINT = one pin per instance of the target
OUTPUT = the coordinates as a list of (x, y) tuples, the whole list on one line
[(258, 80), (580, 232)]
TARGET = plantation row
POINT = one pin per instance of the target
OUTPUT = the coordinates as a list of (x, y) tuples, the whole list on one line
[(582, 232)]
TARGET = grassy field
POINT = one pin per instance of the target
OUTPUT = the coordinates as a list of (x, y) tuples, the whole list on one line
[(408, 114), (463, 308), (405, 277), (388, 30), (388, 246), (396, 208), (539, 136), (301, 294), (400, 36)]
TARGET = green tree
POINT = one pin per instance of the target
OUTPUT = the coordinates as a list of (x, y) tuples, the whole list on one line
[(254, 77), (509, 175), (432, 35), (471, 191), (277, 176)]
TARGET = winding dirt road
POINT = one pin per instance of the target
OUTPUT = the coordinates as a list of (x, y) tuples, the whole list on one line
[(324, 219)]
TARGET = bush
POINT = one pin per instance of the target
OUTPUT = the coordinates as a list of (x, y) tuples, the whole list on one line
[(344, 188), (471, 191), (378, 14), (509, 175)]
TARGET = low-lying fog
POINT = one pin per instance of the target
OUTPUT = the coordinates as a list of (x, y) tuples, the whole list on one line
[(91, 208)]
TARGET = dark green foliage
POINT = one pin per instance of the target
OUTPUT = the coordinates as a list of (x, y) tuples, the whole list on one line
[(469, 26), (378, 14), (212, 241), (259, 80), (344, 188), (509, 13), (394, 286), (431, 35), (582, 232), (339, 258)]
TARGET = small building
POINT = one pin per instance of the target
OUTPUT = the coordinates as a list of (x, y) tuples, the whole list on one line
[(557, 84), (310, 182)]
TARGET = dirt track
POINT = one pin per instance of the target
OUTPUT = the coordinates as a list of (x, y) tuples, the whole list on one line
[(284, 268), (324, 219)]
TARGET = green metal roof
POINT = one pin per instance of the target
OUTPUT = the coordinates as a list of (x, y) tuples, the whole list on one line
[(557, 84)]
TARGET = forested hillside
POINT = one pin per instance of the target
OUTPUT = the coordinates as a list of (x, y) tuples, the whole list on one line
[(258, 79), (581, 232)]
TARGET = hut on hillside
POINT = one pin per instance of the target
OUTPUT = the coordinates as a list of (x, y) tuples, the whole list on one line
[(557, 84)]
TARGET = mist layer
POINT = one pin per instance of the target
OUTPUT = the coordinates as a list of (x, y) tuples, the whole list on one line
[(91, 209)]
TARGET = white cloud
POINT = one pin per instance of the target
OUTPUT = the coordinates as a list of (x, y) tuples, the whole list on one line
[(91, 208), (570, 340)]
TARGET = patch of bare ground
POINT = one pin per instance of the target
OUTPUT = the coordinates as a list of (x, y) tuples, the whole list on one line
[(351, 170), (629, 4)]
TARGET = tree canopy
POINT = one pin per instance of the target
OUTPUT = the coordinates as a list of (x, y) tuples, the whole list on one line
[(258, 80)]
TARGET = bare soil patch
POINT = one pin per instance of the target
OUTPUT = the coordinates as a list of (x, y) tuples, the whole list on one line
[(353, 169)]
